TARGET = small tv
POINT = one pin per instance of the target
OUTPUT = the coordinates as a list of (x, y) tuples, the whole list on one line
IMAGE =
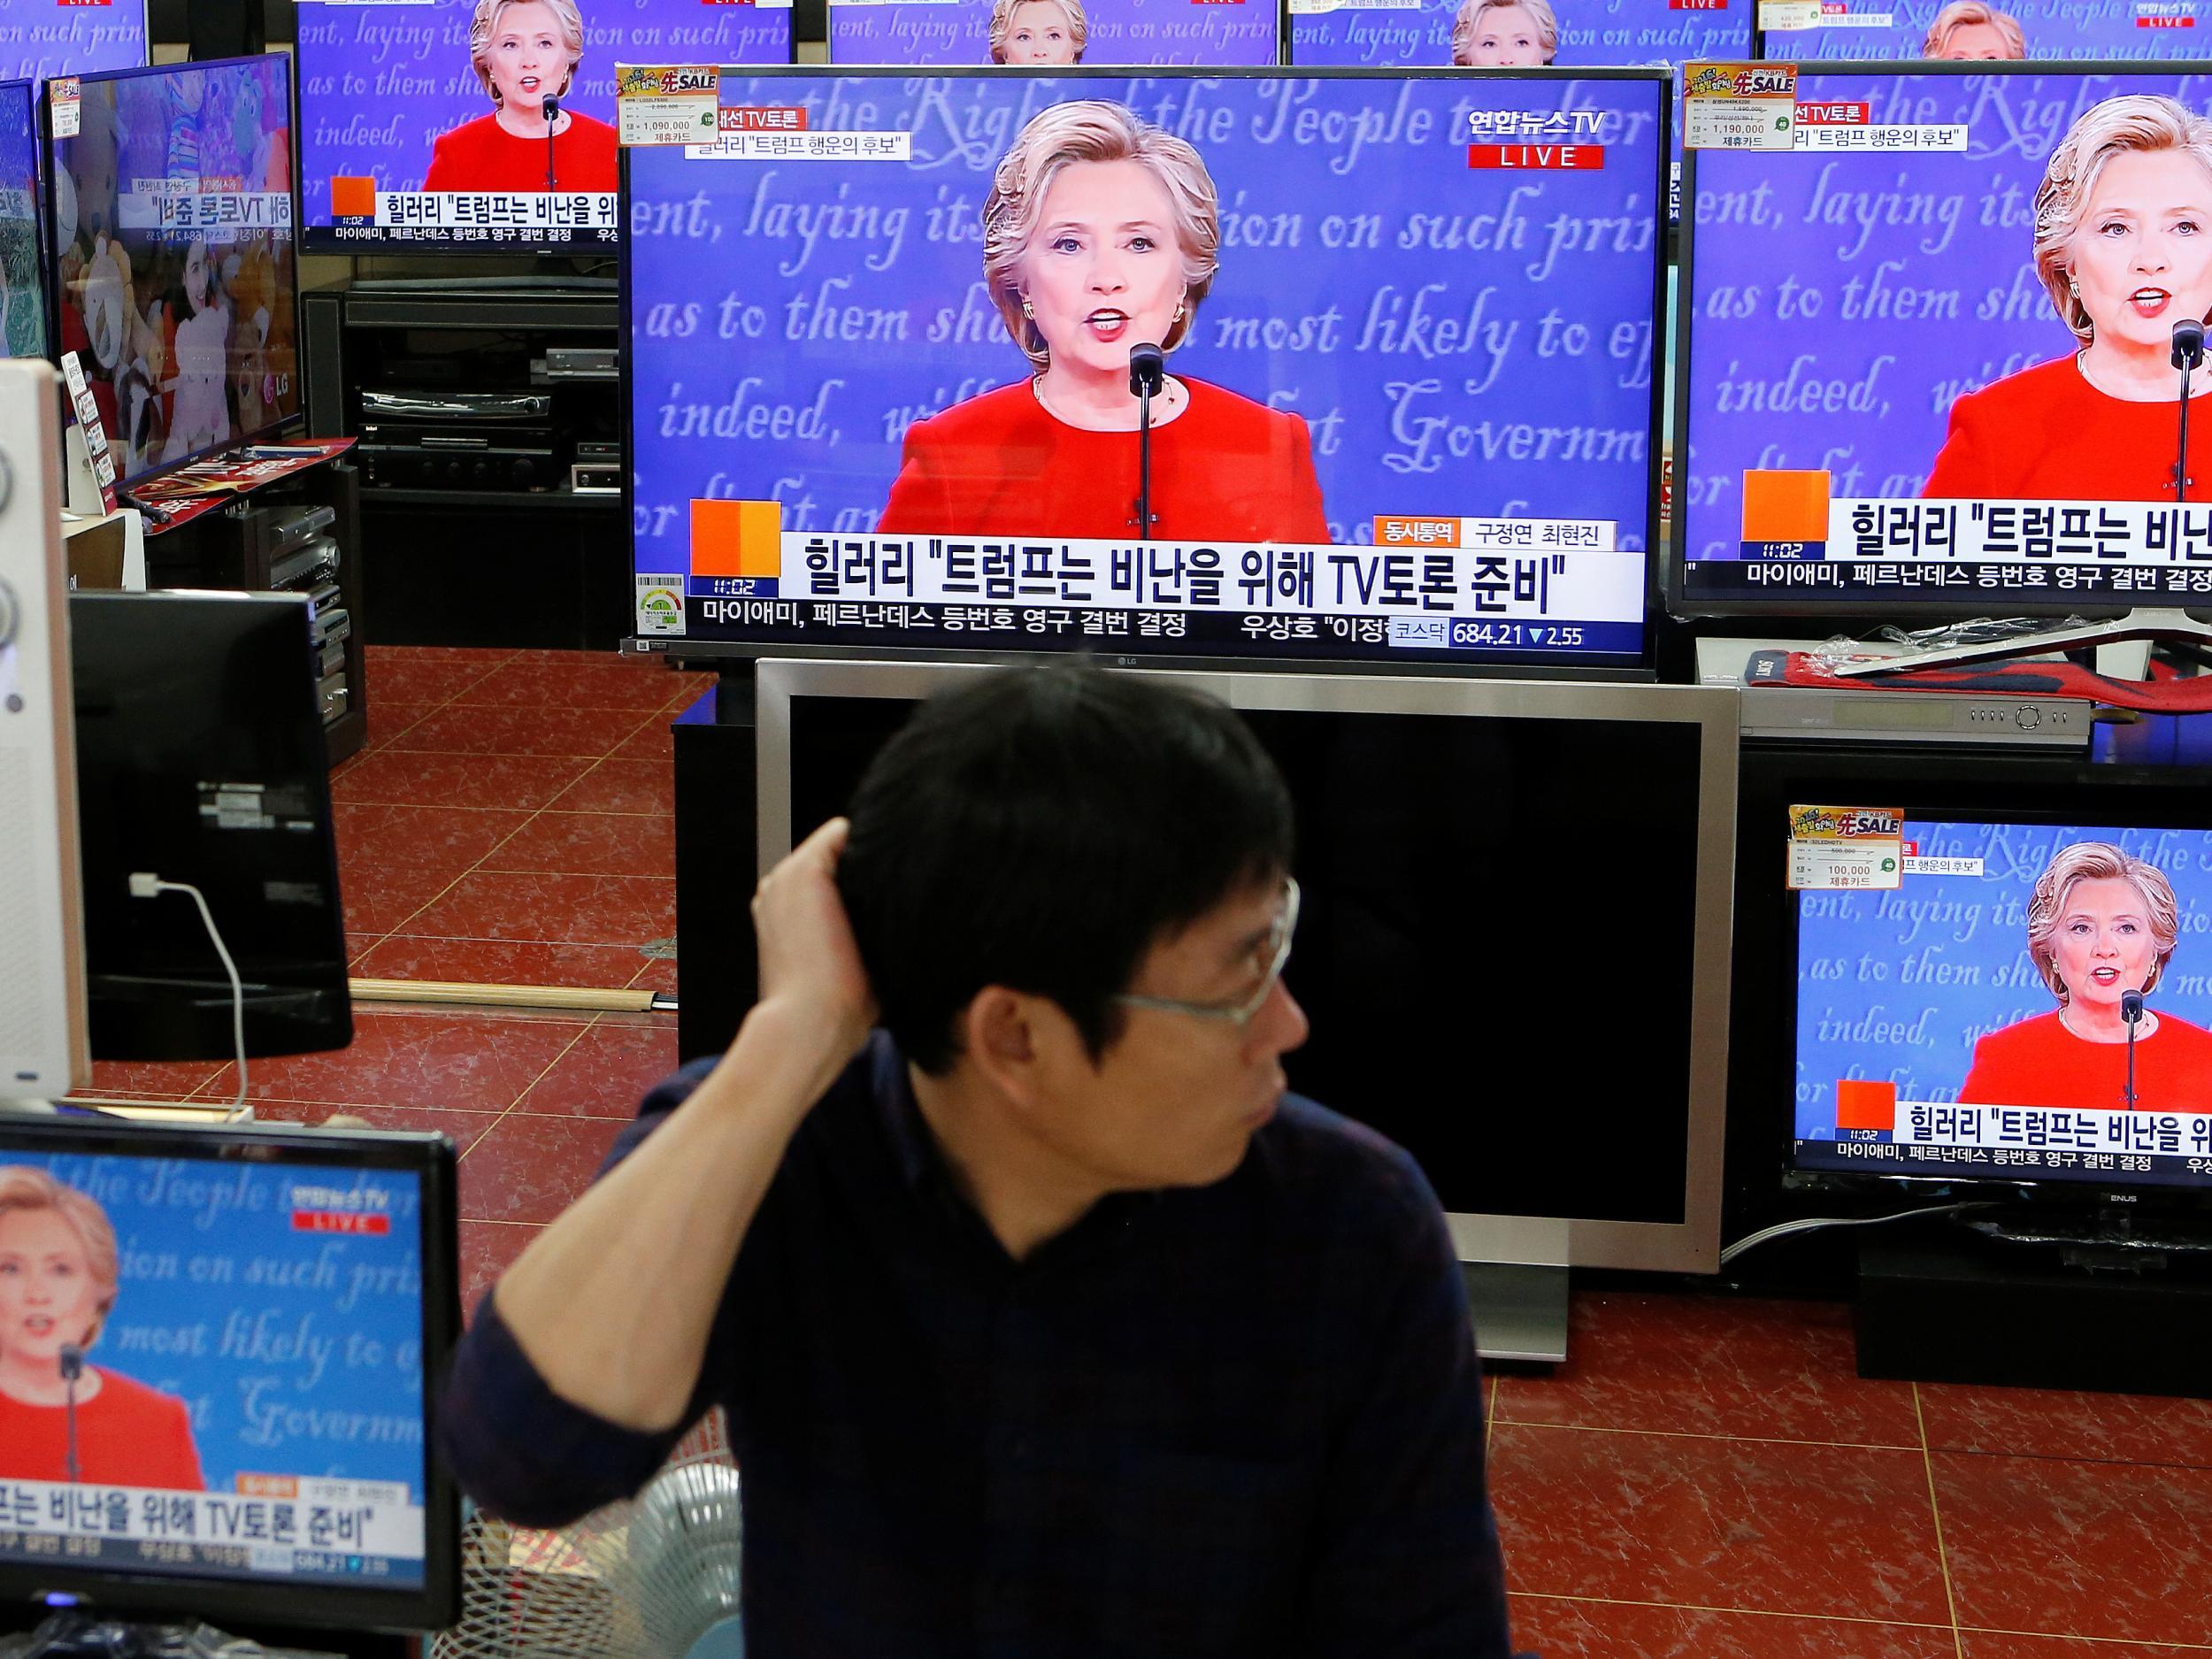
[(881, 336), (201, 759), (22, 265), (1055, 33), (1422, 804), (1491, 34), (40, 39), (424, 127), (1969, 31), (2024, 1005), (1894, 400), (259, 1317), (172, 215)]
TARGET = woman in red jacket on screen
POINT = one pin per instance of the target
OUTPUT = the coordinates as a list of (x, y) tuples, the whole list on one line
[(2100, 924), (522, 50), (2124, 243), (57, 1284), (1100, 231)]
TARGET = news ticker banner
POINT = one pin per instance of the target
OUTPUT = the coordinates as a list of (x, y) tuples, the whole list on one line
[(1877, 1132), (180, 211), (1796, 538), (361, 212), (1430, 583), (338, 1531)]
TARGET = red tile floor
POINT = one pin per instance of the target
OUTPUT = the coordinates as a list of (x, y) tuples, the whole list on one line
[(1705, 1478)]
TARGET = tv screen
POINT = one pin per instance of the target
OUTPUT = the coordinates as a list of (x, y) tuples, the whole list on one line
[(1892, 395), (173, 213), (219, 1399), (22, 274), (1984, 30), (39, 38), (1055, 33), (423, 124), (879, 374), (1573, 34), (1971, 1021)]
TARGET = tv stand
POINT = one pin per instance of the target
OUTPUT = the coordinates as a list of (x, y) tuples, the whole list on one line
[(2146, 623), (1949, 1302)]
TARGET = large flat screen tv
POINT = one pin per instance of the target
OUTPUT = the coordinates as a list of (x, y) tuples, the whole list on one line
[(881, 340)]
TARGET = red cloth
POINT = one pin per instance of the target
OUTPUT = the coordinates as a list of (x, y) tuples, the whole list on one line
[(2045, 434), (482, 155), (2039, 1063), (1226, 468), (127, 1435)]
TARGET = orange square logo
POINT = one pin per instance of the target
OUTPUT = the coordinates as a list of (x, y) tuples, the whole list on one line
[(1780, 506), (1863, 1104), (737, 538), (353, 198)]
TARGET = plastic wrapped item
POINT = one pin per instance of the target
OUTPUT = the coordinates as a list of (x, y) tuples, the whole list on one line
[(76, 1633), (1841, 650)]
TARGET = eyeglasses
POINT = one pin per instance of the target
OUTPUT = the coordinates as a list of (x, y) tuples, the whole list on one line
[(1272, 953)]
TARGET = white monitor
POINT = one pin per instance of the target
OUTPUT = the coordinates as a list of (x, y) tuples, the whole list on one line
[(43, 1051), (1514, 945)]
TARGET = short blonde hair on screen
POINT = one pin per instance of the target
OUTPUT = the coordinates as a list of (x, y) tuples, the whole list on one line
[(1002, 19), (1092, 130), (1961, 14), (485, 24), (1468, 24), (24, 1186), (2139, 121), (2098, 861)]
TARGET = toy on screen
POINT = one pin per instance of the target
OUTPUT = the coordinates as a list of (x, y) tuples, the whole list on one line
[(1359, 366), (173, 213), (2022, 1002), (1933, 354), (484, 124)]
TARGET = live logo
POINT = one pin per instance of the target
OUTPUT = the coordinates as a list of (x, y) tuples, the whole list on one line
[(1538, 157), (1697, 5)]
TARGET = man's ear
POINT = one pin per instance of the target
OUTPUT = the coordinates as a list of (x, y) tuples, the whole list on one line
[(1006, 1034)]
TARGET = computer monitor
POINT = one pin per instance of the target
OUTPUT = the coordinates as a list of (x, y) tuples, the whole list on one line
[(1055, 34), (1409, 409), (1572, 35), (43, 1052), (200, 759), (260, 1315), (173, 212), (39, 39), (1882, 407), (22, 268), (1460, 842), (422, 127), (2044, 31)]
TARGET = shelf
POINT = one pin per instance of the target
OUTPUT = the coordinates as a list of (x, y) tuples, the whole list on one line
[(559, 500)]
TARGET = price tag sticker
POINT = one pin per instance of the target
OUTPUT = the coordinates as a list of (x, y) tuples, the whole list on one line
[(61, 94), (1845, 849), (1787, 17), (666, 103), (96, 432), (1739, 106)]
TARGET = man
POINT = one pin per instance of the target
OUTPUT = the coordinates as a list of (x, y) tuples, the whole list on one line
[(1046, 1323)]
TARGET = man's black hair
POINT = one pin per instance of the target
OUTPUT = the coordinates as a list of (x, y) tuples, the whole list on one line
[(1041, 829)]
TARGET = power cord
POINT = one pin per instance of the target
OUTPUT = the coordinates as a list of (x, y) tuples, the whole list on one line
[(1813, 1224), (146, 885)]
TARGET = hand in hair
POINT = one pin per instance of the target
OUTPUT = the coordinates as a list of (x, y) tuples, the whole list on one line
[(808, 959)]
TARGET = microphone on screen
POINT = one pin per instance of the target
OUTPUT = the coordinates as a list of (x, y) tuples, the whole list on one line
[(2187, 356), (72, 1359), (554, 116), (1147, 373), (2131, 1002)]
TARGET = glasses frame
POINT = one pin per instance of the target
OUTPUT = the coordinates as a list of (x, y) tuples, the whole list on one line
[(1239, 1014)]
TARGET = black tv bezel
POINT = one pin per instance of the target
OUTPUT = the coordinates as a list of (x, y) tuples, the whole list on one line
[(435, 1603), (1848, 610), (1520, 666), (49, 155), (830, 9), (324, 239), (42, 266), (1977, 790)]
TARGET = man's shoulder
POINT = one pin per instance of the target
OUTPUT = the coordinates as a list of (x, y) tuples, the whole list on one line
[(1331, 1167)]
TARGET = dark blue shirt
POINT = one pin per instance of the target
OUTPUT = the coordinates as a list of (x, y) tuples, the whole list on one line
[(1238, 1419)]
